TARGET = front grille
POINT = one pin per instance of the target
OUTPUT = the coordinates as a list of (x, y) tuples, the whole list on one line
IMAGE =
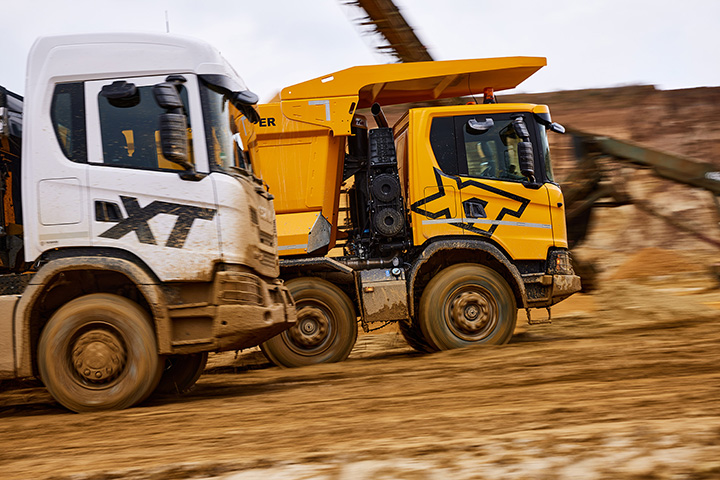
[(241, 288), (268, 259), (267, 239)]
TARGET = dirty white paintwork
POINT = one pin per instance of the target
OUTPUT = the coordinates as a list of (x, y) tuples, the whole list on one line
[(59, 195), (240, 238), (201, 249), (7, 311)]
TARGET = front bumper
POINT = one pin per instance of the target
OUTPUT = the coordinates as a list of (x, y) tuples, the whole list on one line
[(246, 310), (558, 283), (242, 326), (545, 290)]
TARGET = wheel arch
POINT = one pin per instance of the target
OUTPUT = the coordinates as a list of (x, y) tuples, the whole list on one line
[(443, 253), (326, 268), (69, 275)]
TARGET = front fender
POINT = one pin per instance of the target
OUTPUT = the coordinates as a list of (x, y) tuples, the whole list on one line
[(511, 273), (27, 318)]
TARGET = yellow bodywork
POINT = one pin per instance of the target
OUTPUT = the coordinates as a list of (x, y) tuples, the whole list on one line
[(302, 166), (298, 149)]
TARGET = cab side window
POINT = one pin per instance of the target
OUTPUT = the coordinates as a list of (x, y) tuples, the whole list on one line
[(490, 153), (129, 128), (67, 114), (444, 145)]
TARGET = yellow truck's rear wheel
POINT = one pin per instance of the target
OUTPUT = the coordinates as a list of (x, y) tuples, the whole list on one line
[(98, 352), (467, 304), (326, 329)]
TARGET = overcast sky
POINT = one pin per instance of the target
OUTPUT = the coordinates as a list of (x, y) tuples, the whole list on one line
[(275, 43)]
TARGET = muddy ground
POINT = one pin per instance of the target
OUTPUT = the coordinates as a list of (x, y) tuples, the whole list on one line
[(623, 384)]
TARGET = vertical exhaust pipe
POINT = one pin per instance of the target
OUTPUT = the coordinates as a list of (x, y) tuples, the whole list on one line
[(377, 112)]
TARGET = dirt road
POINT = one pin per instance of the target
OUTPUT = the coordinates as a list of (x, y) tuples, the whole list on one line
[(625, 384)]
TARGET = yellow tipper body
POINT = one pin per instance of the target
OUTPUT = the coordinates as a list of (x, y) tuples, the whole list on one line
[(298, 148)]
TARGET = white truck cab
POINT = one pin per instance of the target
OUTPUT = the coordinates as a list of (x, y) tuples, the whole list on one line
[(148, 239)]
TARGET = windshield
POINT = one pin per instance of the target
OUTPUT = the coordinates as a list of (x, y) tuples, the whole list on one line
[(545, 145), (224, 151)]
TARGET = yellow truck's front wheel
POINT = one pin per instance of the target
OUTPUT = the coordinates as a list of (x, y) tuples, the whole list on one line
[(326, 328), (414, 337), (467, 304)]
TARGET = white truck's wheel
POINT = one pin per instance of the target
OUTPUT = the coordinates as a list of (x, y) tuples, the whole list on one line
[(98, 352)]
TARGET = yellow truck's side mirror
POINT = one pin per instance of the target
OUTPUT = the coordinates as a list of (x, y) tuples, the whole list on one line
[(526, 155)]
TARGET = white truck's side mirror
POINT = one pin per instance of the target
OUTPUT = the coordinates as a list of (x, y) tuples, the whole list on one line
[(173, 125)]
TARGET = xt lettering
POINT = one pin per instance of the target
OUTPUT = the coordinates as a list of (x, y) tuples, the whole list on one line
[(137, 221)]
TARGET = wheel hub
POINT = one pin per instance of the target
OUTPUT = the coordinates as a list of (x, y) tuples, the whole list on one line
[(98, 356), (471, 313), (311, 328)]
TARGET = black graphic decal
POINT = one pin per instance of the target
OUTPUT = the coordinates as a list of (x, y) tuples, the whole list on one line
[(474, 208), (445, 212), (137, 221)]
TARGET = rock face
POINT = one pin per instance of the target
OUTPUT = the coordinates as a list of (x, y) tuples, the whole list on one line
[(684, 122), (681, 122)]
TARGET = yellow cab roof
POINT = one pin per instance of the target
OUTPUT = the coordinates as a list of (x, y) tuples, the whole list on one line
[(396, 83)]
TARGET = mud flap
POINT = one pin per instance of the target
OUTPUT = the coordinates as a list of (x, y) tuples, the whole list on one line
[(319, 236)]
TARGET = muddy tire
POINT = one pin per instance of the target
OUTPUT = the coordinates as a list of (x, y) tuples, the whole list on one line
[(181, 372), (414, 337), (98, 352), (326, 329), (467, 304)]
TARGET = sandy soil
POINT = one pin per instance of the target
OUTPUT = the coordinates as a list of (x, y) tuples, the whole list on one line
[(624, 384)]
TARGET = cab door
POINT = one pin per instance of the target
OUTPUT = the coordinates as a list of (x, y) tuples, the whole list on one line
[(497, 200), (477, 174), (138, 199)]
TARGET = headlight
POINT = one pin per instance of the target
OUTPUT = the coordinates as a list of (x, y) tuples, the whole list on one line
[(560, 263)]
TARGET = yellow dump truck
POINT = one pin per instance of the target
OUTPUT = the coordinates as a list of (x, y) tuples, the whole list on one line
[(447, 222)]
